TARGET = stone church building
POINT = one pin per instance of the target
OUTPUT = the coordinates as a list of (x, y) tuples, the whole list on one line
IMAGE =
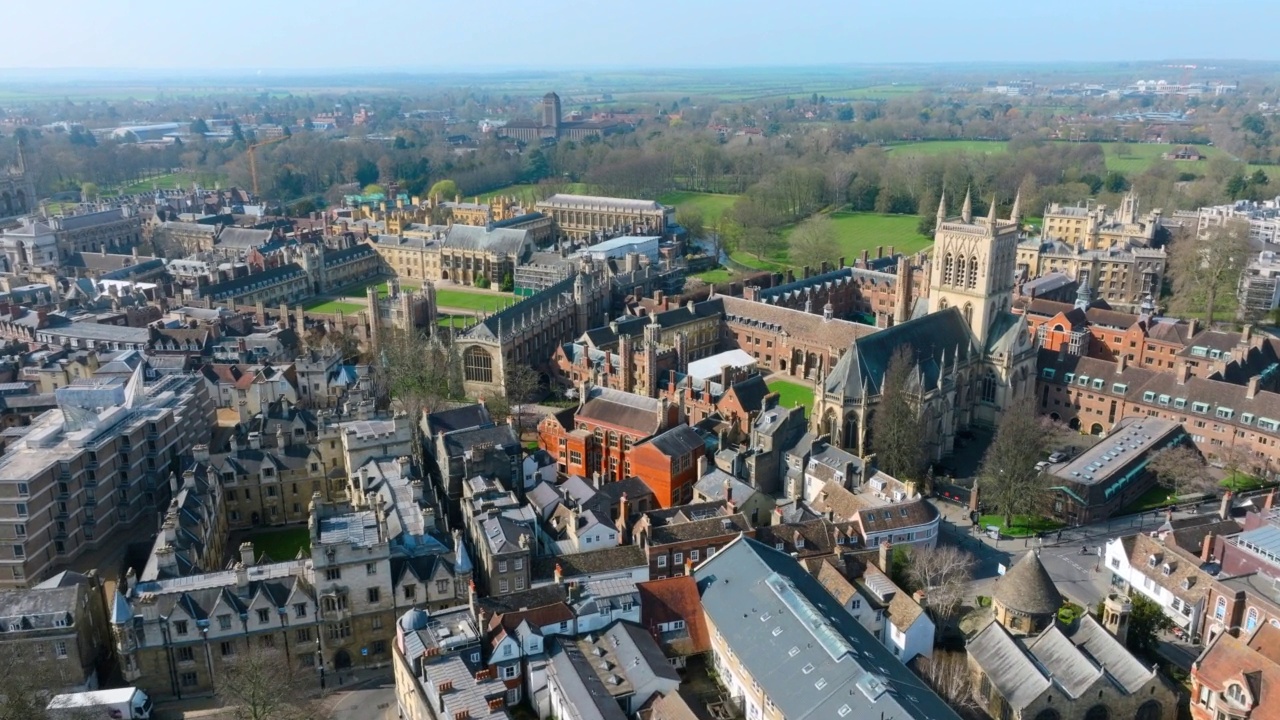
[(973, 356)]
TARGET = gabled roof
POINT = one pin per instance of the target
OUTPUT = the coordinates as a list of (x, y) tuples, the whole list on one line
[(628, 411), (935, 339), (671, 599), (810, 657), (1229, 660)]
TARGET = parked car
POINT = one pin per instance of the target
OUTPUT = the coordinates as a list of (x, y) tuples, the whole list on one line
[(1058, 457)]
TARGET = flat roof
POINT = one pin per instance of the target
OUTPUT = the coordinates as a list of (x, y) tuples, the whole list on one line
[(1130, 439), (709, 367)]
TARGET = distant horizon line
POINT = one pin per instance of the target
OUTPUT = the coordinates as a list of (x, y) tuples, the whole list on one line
[(180, 73)]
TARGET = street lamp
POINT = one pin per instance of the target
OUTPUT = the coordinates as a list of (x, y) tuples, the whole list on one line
[(320, 668)]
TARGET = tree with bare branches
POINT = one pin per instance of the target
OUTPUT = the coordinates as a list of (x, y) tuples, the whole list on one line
[(29, 678), (520, 383), (896, 428), (813, 242), (943, 573), (1205, 267), (264, 684), (1181, 469), (947, 674), (1009, 479)]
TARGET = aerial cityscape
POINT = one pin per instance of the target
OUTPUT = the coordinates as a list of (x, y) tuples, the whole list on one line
[(655, 376)]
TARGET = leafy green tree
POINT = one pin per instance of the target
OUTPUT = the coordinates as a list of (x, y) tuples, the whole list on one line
[(1115, 182), (302, 208), (1009, 480), (1146, 621), (690, 219), (482, 282), (508, 283), (896, 427), (89, 191), (1236, 186), (1259, 178), (536, 167), (445, 190), (199, 126), (366, 172), (374, 189), (813, 242)]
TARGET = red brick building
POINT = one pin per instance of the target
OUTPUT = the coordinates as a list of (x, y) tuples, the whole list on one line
[(1098, 332), (676, 539), (596, 438), (1238, 677), (668, 464)]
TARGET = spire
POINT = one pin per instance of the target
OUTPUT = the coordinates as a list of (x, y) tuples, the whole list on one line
[(1084, 294), (1016, 211), (991, 217), (942, 209), (966, 213)]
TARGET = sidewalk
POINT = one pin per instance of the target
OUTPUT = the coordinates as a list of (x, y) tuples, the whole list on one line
[(338, 685)]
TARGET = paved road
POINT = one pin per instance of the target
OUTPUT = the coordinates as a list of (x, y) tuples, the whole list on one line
[(1072, 571), (373, 699)]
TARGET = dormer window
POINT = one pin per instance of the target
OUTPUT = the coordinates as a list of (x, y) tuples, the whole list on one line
[(1235, 694), (1186, 583), (1167, 569), (1153, 561)]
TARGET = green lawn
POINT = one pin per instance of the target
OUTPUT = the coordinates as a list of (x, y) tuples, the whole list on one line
[(1157, 497), (714, 275), (711, 205), (1241, 482), (791, 394), (1022, 525), (383, 290), (282, 545), (331, 307), (468, 300), (1128, 158), (458, 321), (172, 181), (855, 232)]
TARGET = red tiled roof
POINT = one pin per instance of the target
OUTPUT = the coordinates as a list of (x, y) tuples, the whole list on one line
[(671, 599)]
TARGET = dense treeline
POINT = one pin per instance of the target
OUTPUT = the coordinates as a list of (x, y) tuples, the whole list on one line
[(804, 154)]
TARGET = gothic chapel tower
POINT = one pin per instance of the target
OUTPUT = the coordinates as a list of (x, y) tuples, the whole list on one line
[(974, 265)]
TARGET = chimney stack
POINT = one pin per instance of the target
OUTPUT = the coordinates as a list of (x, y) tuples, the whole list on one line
[(702, 466), (559, 574), (1224, 509), (246, 554), (1206, 548), (886, 556)]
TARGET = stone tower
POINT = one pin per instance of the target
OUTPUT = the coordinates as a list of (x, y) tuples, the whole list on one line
[(551, 111), (1115, 615), (974, 266)]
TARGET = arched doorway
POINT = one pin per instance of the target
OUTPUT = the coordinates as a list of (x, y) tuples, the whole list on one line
[(444, 274), (1055, 417), (1074, 423), (341, 660), (1095, 429), (1150, 710)]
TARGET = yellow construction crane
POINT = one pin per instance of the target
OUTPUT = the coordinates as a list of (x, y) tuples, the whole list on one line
[(253, 162)]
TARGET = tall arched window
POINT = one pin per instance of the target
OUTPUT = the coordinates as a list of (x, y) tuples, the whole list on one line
[(947, 270), (1150, 710), (1098, 712), (477, 365), (973, 272), (1251, 619), (968, 313), (1220, 609), (1048, 714), (942, 303), (989, 387)]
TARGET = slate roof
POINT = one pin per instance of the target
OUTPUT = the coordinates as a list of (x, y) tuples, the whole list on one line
[(266, 278), (459, 418), (526, 311), (243, 238), (810, 657), (1184, 566), (506, 241), (934, 339), (1027, 587), (461, 441), (628, 411), (678, 441), (1075, 659), (796, 323)]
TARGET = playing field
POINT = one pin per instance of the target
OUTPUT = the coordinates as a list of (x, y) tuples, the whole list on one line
[(712, 206), (791, 394), (172, 181), (332, 307), (1128, 158), (855, 232), (466, 300)]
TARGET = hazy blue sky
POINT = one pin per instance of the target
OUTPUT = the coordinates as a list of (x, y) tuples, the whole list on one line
[(533, 34)]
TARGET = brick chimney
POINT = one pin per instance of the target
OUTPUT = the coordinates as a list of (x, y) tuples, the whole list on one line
[(886, 556), (1122, 362), (1252, 388), (1184, 373), (1206, 548), (1191, 328)]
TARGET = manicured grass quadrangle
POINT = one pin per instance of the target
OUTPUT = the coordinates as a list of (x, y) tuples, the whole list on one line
[(467, 300), (281, 545), (791, 394), (332, 307)]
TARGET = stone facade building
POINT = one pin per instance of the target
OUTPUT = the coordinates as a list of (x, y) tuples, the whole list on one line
[(551, 125), (972, 355), (58, 631), (587, 219)]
